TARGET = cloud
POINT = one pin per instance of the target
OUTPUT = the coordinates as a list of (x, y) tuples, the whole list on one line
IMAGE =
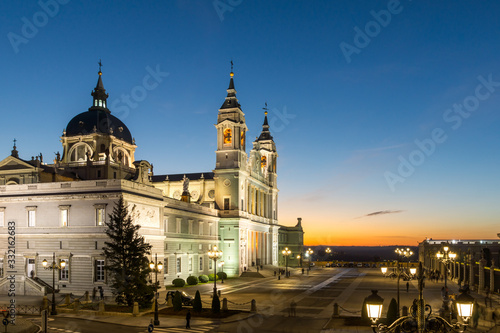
[(381, 212)]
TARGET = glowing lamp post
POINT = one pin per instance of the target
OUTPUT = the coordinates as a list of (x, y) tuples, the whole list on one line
[(215, 255), (383, 269), (156, 267), (54, 267), (446, 256), (286, 252), (309, 253)]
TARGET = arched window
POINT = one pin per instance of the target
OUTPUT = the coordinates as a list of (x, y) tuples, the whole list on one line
[(79, 152), (227, 136), (121, 156)]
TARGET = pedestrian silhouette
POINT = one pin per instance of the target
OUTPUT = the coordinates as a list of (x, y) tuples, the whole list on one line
[(188, 319)]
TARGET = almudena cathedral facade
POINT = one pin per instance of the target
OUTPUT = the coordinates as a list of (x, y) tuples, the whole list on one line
[(62, 208)]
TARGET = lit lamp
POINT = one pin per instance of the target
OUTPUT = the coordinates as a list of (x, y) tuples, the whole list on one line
[(413, 271), (286, 252), (374, 305), (156, 267), (383, 269), (53, 267), (465, 306), (215, 255)]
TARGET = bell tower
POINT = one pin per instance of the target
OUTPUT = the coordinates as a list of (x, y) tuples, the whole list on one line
[(231, 132)]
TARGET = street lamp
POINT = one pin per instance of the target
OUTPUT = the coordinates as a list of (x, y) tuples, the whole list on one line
[(446, 256), (401, 253), (383, 269), (156, 267), (286, 252), (309, 253), (407, 253), (214, 255), (421, 317), (54, 267)]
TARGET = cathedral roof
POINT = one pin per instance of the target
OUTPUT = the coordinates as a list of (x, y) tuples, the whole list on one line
[(180, 176), (98, 118), (265, 134), (98, 121)]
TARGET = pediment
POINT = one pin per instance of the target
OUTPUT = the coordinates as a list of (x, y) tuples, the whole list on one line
[(14, 163)]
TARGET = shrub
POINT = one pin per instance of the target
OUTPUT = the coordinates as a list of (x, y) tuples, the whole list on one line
[(392, 312), (177, 302), (178, 282), (215, 304), (211, 277), (221, 275), (203, 278), (197, 306), (192, 280)]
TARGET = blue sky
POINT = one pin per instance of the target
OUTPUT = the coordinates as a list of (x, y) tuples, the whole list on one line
[(343, 122)]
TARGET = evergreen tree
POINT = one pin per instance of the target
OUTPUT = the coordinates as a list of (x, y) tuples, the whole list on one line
[(215, 304), (392, 312), (126, 261), (177, 301), (197, 305)]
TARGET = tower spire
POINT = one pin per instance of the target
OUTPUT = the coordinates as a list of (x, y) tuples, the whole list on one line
[(15, 153), (265, 134), (231, 100), (99, 93)]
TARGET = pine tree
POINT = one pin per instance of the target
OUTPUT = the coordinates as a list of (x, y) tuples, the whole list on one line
[(126, 261), (197, 305), (392, 312), (215, 304), (177, 301)]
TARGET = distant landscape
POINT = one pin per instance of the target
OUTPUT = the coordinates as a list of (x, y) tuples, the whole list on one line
[(360, 253)]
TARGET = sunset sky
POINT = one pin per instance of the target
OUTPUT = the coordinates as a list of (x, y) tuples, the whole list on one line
[(386, 114)]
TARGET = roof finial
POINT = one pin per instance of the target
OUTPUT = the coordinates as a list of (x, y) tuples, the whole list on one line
[(231, 74), (15, 142), (14, 152), (100, 65), (265, 109)]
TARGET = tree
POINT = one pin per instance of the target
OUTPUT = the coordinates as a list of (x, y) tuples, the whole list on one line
[(177, 301), (197, 305), (215, 304), (126, 261), (392, 312)]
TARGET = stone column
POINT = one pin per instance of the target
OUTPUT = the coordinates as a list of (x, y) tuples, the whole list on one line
[(471, 273), (482, 263), (492, 276)]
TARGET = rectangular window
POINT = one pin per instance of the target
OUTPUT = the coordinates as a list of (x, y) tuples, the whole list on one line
[(190, 264), (190, 231), (210, 232), (99, 270), (201, 263), (31, 216), (200, 246), (200, 228), (64, 215), (2, 216), (178, 265), (100, 214), (226, 203), (165, 266), (209, 264), (64, 272), (178, 225), (165, 224)]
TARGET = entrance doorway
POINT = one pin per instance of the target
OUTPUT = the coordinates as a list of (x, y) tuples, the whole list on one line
[(30, 269)]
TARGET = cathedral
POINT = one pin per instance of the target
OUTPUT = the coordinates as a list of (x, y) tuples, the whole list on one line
[(60, 209)]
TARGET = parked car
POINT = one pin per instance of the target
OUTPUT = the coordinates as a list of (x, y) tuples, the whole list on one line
[(186, 298)]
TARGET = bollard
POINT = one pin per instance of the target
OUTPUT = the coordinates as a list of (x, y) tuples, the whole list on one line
[(253, 307), (102, 307), (67, 299), (224, 304), (76, 305), (169, 302), (135, 312), (45, 304), (87, 297), (45, 319), (405, 311), (279, 277), (335, 310), (218, 293)]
